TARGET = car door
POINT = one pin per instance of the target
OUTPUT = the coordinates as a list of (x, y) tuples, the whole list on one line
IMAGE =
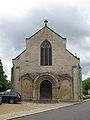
[(6, 96)]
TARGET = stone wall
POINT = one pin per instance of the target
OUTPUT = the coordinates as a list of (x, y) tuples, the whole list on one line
[(28, 63)]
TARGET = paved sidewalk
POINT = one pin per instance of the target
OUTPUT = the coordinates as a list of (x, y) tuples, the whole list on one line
[(26, 108)]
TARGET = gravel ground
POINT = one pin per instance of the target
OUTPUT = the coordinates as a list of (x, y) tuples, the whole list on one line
[(9, 111), (10, 108)]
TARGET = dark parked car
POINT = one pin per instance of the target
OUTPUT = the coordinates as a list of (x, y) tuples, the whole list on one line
[(11, 97), (0, 100)]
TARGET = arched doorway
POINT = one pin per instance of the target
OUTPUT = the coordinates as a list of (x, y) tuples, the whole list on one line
[(45, 90)]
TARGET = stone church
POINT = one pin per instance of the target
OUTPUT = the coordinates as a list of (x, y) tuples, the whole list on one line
[(46, 70)]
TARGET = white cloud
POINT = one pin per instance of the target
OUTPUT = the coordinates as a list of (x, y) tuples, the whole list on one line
[(15, 8), (21, 18), (19, 7)]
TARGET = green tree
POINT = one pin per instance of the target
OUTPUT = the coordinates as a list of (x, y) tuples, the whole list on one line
[(4, 83), (86, 85)]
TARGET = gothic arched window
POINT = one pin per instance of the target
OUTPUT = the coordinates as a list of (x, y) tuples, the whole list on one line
[(46, 53)]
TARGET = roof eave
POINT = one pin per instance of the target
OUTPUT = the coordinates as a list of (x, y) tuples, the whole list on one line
[(19, 55), (73, 55)]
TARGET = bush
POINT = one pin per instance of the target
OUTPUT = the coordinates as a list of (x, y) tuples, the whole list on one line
[(86, 86)]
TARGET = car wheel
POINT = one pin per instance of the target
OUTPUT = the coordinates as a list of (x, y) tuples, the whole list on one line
[(0, 102), (11, 101)]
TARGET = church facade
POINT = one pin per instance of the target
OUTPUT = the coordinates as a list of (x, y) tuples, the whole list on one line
[(46, 70)]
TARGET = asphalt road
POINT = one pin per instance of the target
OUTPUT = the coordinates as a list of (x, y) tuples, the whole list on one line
[(75, 112)]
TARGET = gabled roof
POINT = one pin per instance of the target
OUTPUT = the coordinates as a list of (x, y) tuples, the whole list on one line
[(37, 33), (49, 29)]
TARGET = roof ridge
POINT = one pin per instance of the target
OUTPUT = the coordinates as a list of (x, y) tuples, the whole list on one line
[(56, 33), (35, 33), (42, 29)]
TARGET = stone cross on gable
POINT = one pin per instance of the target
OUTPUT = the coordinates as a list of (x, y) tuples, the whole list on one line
[(45, 22)]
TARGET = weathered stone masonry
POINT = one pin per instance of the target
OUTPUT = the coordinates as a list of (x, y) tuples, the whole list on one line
[(46, 70)]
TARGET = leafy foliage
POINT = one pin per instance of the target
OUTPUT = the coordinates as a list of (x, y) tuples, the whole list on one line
[(86, 85), (4, 83)]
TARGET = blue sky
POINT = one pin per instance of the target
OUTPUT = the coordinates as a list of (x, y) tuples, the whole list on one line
[(22, 18)]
